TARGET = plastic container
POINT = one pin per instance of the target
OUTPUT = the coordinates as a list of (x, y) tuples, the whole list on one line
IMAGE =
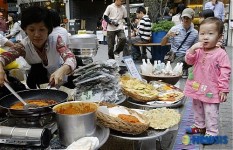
[(158, 36)]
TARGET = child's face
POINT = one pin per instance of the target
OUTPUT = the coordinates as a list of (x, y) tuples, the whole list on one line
[(139, 15), (208, 34)]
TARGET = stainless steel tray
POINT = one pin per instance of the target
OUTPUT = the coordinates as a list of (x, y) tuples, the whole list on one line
[(156, 104), (148, 134)]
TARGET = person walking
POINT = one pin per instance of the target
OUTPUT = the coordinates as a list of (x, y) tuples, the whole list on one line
[(217, 7), (182, 37), (114, 15), (208, 83)]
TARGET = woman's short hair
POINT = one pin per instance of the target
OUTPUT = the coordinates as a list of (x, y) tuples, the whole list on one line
[(36, 14)]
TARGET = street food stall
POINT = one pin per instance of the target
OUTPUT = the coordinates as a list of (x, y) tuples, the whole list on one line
[(101, 91)]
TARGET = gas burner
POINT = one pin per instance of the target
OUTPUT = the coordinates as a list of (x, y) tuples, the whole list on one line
[(31, 131), (29, 121)]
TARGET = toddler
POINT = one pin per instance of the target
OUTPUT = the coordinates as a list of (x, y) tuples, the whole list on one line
[(209, 78)]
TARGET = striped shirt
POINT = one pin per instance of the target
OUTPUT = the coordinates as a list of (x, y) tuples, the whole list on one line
[(177, 40), (145, 28)]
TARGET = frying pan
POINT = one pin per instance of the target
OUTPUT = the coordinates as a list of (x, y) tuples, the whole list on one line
[(9, 100)]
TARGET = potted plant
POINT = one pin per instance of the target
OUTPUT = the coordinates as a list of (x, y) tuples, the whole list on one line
[(160, 29)]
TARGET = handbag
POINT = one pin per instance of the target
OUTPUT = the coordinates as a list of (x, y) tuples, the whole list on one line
[(171, 55)]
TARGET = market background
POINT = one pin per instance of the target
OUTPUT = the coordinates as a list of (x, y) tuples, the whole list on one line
[(83, 14)]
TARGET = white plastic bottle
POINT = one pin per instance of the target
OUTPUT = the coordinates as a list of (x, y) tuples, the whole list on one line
[(155, 65), (168, 68), (149, 66), (175, 71)]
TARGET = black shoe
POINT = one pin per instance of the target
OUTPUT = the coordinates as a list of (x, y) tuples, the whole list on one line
[(122, 61)]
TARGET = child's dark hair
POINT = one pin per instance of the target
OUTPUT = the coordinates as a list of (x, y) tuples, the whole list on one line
[(141, 9), (206, 13), (36, 14), (215, 21)]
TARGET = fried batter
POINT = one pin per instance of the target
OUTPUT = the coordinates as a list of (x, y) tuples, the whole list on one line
[(39, 103)]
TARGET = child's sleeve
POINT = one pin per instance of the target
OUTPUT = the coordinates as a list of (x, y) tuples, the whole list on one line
[(225, 73), (190, 58)]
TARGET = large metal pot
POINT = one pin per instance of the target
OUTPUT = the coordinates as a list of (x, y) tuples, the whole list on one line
[(84, 45), (7, 101), (75, 120)]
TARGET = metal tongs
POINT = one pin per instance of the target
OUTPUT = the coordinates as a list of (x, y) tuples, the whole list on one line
[(51, 84), (26, 105)]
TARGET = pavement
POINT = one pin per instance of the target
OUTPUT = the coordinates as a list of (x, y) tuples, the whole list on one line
[(168, 140)]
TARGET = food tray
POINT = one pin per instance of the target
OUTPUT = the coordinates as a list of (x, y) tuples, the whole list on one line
[(138, 97), (167, 79), (156, 104), (118, 124)]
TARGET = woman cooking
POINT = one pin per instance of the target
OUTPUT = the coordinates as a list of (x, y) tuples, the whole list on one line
[(39, 50)]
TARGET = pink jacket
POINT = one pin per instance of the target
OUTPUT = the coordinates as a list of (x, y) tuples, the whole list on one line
[(211, 74)]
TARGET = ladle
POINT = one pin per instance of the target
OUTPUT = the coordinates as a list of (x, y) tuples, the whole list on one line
[(26, 105)]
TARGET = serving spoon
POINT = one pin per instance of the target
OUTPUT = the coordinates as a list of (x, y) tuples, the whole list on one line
[(26, 105)]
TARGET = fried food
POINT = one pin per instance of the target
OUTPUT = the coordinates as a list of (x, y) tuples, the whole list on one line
[(162, 118), (38, 102), (129, 118), (136, 87)]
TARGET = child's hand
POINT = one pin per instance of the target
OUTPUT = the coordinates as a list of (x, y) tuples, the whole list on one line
[(223, 96), (195, 46)]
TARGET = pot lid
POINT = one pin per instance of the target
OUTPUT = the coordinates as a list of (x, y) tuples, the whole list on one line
[(83, 36)]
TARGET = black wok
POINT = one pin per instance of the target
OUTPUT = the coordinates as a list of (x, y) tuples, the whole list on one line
[(9, 100)]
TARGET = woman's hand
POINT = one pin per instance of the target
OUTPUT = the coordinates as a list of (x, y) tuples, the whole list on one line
[(59, 74), (223, 96)]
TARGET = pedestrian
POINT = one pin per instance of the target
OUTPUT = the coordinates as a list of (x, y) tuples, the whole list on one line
[(143, 34), (3, 25), (182, 37), (208, 82), (114, 15), (39, 51), (217, 7)]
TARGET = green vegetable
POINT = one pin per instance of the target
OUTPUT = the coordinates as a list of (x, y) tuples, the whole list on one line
[(162, 26)]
